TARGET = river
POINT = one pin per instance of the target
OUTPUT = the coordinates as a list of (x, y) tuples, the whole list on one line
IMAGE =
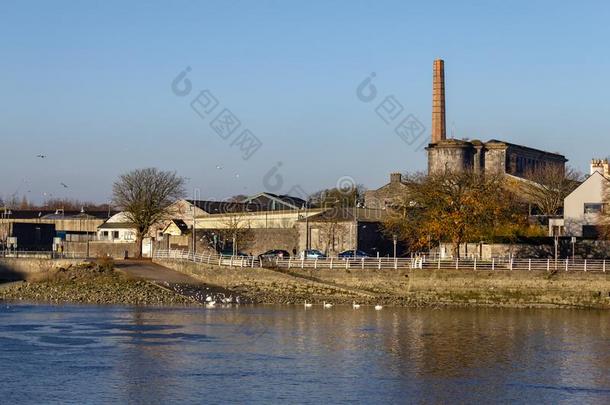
[(289, 354)]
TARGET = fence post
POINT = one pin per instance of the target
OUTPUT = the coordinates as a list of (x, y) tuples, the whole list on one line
[(209, 258), (396, 263), (567, 263), (585, 265), (346, 263), (303, 262), (362, 263), (253, 259), (439, 263), (493, 264), (289, 260), (220, 260), (231, 262), (331, 263), (474, 266), (510, 264), (315, 263), (548, 265), (457, 261), (604, 266), (529, 265), (379, 264)]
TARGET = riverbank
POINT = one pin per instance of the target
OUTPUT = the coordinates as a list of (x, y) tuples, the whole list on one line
[(410, 288), (90, 283)]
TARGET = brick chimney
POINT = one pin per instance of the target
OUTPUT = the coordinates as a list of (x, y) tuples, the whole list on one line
[(438, 102), (395, 178), (600, 165)]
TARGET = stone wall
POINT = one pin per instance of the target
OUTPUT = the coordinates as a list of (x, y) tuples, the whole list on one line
[(12, 269)]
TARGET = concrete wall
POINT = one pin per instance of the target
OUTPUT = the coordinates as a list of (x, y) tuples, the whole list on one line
[(23, 269)]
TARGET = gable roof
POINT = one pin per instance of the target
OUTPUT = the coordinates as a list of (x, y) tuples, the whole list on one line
[(180, 224), (589, 179), (273, 202)]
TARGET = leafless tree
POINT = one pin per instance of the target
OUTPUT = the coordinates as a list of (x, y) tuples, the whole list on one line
[(547, 186), (236, 229), (145, 196)]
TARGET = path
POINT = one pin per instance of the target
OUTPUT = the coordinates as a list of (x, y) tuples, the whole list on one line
[(150, 271)]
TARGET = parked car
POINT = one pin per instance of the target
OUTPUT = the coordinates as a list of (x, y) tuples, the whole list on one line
[(274, 254), (349, 254), (312, 254)]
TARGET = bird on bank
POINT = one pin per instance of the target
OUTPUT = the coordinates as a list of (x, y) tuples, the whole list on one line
[(355, 306), (327, 304), (308, 304), (378, 307)]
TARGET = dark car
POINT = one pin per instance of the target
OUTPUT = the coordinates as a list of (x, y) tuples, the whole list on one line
[(274, 254), (349, 254)]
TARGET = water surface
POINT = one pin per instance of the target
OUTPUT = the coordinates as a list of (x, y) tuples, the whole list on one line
[(265, 354)]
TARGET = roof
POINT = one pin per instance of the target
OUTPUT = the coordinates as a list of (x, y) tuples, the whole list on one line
[(526, 147), (117, 225), (288, 201), (223, 207), (258, 202), (180, 224)]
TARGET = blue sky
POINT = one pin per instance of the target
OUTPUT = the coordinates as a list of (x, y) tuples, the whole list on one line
[(88, 84)]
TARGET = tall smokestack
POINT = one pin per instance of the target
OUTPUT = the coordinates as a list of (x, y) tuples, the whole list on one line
[(438, 102)]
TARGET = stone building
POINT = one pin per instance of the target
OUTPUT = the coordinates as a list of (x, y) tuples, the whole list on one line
[(388, 195), (497, 157)]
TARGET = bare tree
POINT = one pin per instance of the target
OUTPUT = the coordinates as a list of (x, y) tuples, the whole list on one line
[(548, 185), (335, 197), (145, 196), (236, 229)]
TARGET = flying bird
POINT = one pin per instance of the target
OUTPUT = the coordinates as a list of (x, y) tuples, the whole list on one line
[(219, 167), (64, 184), (41, 156)]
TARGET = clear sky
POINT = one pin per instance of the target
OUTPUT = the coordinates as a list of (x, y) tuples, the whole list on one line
[(89, 85)]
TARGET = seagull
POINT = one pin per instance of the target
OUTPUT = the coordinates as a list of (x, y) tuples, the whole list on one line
[(64, 184), (308, 304), (327, 304), (378, 307), (355, 306), (41, 156), (219, 167)]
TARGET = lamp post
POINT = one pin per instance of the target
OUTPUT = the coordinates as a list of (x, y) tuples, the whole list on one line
[(196, 197)]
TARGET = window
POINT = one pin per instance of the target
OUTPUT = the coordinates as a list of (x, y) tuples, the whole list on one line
[(594, 208), (115, 234)]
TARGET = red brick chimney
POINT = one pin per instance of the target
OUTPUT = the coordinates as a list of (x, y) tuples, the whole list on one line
[(438, 102)]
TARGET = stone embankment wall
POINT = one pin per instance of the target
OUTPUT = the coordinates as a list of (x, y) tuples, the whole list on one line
[(414, 287), (23, 269)]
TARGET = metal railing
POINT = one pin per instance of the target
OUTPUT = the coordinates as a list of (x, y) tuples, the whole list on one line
[(388, 263), (28, 254)]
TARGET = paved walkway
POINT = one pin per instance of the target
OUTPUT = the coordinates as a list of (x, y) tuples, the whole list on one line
[(148, 270)]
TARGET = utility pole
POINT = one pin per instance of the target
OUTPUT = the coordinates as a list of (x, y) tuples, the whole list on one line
[(196, 196)]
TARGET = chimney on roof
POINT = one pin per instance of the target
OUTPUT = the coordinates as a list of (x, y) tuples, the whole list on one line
[(438, 101), (601, 166), (395, 178)]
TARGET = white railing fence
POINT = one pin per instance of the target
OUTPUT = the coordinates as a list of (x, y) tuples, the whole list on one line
[(500, 264)]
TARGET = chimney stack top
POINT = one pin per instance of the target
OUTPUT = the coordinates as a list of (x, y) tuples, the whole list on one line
[(439, 131)]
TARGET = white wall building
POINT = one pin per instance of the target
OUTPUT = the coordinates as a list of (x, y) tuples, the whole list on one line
[(585, 207)]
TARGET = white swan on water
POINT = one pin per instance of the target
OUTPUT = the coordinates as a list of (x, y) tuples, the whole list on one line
[(378, 307), (355, 306), (308, 304), (327, 304)]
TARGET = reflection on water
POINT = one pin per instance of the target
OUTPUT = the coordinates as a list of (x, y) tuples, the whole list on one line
[(288, 354)]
